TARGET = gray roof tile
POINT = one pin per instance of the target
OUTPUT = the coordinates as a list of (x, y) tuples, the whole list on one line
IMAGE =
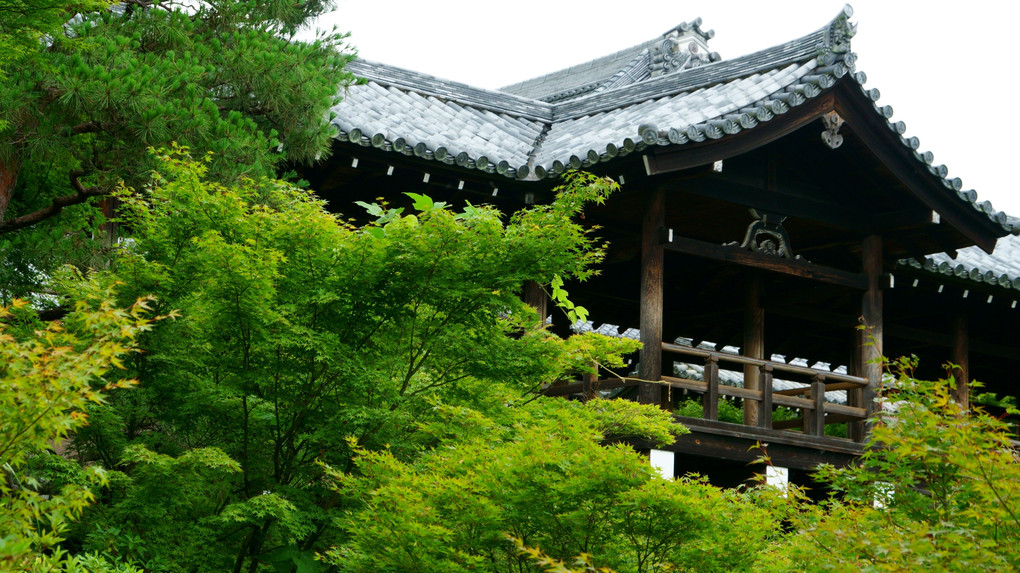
[(999, 268), (624, 67), (517, 136)]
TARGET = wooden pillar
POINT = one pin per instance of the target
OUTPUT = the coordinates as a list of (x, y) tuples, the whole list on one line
[(754, 344), (652, 222), (960, 357), (535, 297), (871, 350)]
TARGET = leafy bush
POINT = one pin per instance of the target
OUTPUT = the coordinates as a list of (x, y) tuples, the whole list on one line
[(937, 489), (50, 373)]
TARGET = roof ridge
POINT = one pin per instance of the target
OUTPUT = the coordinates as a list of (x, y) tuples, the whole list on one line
[(607, 57), (694, 78), (494, 100)]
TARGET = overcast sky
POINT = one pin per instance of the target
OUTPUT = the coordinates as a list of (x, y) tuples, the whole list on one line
[(945, 67)]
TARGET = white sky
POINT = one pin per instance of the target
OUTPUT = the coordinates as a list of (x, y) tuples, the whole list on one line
[(945, 67)]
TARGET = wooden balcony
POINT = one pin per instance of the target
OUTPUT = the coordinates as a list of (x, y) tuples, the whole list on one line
[(800, 442), (809, 398)]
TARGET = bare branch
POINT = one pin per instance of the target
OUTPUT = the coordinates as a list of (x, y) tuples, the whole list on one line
[(56, 206), (91, 127)]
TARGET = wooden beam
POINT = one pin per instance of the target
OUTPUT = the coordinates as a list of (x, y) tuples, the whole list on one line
[(740, 448), (807, 389), (794, 267), (669, 159), (652, 223), (699, 428)]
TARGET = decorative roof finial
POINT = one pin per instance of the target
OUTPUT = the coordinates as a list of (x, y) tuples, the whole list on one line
[(838, 33), (683, 47)]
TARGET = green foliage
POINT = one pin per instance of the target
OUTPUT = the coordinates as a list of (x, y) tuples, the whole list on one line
[(730, 410), (25, 25), (938, 489), (94, 87), (298, 331), (559, 296), (50, 374), (550, 565), (543, 475), (224, 77)]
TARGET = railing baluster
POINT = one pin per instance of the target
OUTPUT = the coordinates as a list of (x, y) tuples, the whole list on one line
[(811, 403), (765, 404), (710, 400), (815, 419)]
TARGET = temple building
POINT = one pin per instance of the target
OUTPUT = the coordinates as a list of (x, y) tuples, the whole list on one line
[(769, 206)]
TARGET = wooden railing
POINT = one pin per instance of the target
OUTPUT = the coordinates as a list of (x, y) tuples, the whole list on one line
[(809, 399)]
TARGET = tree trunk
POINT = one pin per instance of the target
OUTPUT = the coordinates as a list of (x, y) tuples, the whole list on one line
[(9, 170)]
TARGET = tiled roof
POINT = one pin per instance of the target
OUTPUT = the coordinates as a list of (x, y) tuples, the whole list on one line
[(621, 68), (516, 136)]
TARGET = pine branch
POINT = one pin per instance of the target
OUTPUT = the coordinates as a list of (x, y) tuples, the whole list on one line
[(56, 206)]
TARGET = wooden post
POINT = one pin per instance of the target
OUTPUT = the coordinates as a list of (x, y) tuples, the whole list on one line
[(535, 297), (765, 405), (960, 357), (871, 313), (814, 421), (754, 344), (710, 400), (651, 297)]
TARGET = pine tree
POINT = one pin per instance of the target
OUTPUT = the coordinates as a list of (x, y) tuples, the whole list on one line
[(89, 89)]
